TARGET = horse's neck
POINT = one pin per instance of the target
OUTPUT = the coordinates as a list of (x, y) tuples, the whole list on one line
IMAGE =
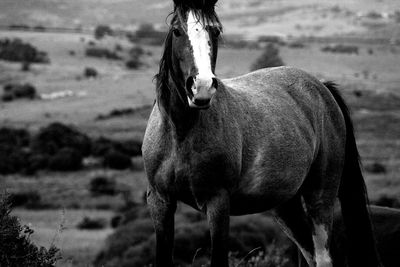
[(179, 118)]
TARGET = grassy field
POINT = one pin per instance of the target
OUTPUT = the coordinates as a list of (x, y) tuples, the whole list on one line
[(370, 83)]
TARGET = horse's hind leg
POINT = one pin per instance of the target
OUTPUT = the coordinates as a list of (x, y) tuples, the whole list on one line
[(292, 218)]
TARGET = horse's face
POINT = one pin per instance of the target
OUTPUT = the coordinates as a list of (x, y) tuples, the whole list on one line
[(194, 52)]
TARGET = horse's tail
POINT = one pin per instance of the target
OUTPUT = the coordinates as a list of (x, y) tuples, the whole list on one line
[(353, 198)]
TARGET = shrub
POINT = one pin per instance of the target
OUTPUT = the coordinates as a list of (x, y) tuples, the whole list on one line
[(269, 58), (55, 136), (36, 162), (18, 51), (340, 48), (135, 57), (131, 148), (14, 91), (92, 224), (66, 159), (16, 248), (12, 159), (101, 53), (102, 146), (387, 201), (25, 66), (29, 199), (14, 137), (376, 167), (133, 241), (90, 72), (102, 186), (101, 31), (148, 34), (114, 159)]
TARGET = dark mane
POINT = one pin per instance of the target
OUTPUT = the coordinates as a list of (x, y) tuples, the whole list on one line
[(207, 15)]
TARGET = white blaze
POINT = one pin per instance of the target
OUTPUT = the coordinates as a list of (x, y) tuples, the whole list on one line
[(200, 41), (321, 243)]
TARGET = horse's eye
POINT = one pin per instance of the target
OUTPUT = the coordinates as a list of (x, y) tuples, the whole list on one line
[(177, 32), (217, 32)]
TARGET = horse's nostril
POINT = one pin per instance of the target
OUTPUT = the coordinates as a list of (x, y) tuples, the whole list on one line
[(214, 83), (201, 102)]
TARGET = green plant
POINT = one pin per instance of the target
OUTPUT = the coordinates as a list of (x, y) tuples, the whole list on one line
[(92, 223), (114, 159), (16, 248), (102, 30), (90, 72), (102, 186), (66, 159), (50, 139)]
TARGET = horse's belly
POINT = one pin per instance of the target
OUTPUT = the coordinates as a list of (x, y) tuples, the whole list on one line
[(261, 189)]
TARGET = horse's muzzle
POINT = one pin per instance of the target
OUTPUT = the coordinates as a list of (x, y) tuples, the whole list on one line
[(200, 93)]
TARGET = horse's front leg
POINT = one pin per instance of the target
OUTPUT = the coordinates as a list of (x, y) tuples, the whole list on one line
[(162, 210), (218, 218)]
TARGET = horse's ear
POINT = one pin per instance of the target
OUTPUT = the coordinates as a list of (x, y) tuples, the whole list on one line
[(197, 4)]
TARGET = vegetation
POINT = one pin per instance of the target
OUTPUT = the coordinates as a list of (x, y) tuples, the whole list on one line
[(269, 58), (135, 57), (340, 48), (12, 91), (16, 248), (147, 34), (101, 31), (132, 244), (66, 159), (91, 224), (102, 53), (18, 51), (90, 72), (117, 160), (101, 185)]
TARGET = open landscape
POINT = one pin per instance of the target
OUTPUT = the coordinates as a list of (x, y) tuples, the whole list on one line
[(102, 87)]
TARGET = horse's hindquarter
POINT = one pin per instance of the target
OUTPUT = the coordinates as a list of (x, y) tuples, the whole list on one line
[(283, 121)]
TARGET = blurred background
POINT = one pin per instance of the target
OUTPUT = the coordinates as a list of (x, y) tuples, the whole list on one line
[(76, 88)]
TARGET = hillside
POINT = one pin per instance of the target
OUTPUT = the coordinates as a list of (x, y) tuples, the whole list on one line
[(369, 18)]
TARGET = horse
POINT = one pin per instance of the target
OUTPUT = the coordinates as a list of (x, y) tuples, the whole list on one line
[(275, 139), (386, 223)]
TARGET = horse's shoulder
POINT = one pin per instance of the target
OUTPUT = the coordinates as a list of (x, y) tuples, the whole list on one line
[(156, 138)]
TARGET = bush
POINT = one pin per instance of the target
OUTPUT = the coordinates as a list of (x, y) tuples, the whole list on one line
[(29, 199), (17, 51), (102, 146), (148, 34), (101, 31), (90, 72), (50, 139), (102, 186), (114, 159), (14, 91), (133, 242), (340, 48), (135, 57), (14, 137), (101, 53), (269, 58), (376, 167), (66, 159), (92, 224), (387, 201), (12, 159), (16, 248)]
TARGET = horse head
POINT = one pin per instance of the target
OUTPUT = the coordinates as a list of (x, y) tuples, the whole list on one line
[(191, 50)]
